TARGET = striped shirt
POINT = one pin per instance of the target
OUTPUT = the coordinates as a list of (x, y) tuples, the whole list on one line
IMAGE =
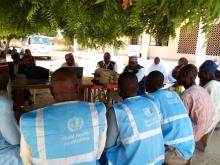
[(199, 105)]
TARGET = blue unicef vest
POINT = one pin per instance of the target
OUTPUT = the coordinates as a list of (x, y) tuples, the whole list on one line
[(140, 138), (66, 133), (176, 124)]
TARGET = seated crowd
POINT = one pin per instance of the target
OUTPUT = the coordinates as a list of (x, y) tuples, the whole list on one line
[(151, 124)]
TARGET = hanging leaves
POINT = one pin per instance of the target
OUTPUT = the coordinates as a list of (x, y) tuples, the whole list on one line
[(98, 23)]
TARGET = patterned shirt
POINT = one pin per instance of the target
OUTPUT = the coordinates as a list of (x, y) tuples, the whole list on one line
[(200, 108)]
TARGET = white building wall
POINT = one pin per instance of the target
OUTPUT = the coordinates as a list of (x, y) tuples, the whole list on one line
[(164, 52), (169, 52)]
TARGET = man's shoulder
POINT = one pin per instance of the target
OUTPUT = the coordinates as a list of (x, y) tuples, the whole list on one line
[(31, 114), (213, 87), (152, 66), (164, 94), (193, 90), (100, 62), (135, 101), (5, 104), (139, 66), (212, 83), (113, 62), (3, 99), (62, 106), (64, 64), (198, 89)]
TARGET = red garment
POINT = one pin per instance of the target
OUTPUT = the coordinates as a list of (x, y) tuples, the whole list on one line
[(28, 59)]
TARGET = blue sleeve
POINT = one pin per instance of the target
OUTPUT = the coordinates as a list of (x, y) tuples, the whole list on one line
[(112, 131), (8, 126)]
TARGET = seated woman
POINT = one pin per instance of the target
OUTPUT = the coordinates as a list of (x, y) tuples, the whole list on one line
[(9, 132), (28, 59)]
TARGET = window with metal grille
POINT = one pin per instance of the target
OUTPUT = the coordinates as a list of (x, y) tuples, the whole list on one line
[(188, 40), (213, 46)]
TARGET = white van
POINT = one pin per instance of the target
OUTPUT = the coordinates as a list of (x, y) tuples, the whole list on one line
[(39, 45)]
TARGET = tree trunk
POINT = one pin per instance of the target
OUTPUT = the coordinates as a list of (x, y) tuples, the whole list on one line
[(8, 40)]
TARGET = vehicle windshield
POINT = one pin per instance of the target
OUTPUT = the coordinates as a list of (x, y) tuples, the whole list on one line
[(40, 40)]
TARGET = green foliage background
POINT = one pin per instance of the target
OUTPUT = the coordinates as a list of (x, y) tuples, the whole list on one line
[(98, 23)]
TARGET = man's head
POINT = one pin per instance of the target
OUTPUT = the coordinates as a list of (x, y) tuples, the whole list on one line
[(127, 85), (132, 62), (107, 58), (69, 59), (176, 71), (16, 58), (182, 61), (154, 81), (156, 60), (64, 85), (187, 75), (207, 71), (4, 78)]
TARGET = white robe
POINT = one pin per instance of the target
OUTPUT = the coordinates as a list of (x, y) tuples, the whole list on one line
[(159, 67)]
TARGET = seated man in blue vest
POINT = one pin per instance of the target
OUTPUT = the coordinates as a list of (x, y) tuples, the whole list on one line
[(9, 131), (67, 132), (107, 63), (134, 133), (176, 125), (140, 72)]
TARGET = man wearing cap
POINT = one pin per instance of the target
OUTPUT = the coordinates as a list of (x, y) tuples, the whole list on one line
[(107, 63), (139, 70), (208, 81), (70, 61)]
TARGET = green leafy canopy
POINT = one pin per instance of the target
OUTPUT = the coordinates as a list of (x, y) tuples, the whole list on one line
[(98, 23)]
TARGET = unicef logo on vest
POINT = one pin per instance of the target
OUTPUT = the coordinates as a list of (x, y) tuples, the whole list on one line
[(75, 123), (147, 111), (168, 95)]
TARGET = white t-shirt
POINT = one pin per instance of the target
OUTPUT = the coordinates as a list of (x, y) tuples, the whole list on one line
[(160, 68)]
